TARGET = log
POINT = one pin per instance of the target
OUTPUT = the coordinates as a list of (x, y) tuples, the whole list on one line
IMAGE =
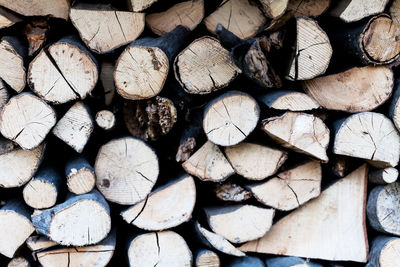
[(394, 11), (26, 119), (140, 5), (75, 127), (209, 164), (337, 216), (79, 221), (355, 10), (15, 227), (123, 177), (246, 261), (394, 107), (290, 189), (288, 100), (241, 17), (19, 262), (107, 80), (313, 51), (216, 241), (18, 166), (63, 71), (290, 262), (254, 161), (383, 176), (308, 8), (36, 32), (57, 9), (231, 192), (188, 13), (301, 132), (274, 9), (192, 135), (81, 177), (166, 248), (354, 90), (4, 95), (105, 119), (39, 242), (204, 67), (370, 136), (103, 28), (154, 213), (142, 68), (150, 119), (230, 118), (42, 190), (206, 258), (8, 19), (246, 222), (384, 251)]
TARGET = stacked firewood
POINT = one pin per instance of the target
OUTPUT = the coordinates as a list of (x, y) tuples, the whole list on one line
[(199, 133)]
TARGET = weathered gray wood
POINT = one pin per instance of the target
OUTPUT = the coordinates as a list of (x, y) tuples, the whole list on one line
[(246, 262), (384, 252), (290, 262), (57, 9), (383, 176)]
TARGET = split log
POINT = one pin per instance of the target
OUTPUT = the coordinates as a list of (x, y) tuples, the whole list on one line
[(75, 127), (107, 80), (80, 176), (232, 192), (290, 262), (104, 29), (188, 13), (63, 71), (166, 248), (19, 262), (384, 252), (26, 119), (140, 5), (36, 34), (8, 19), (246, 222), (124, 177), (42, 190), (206, 258), (288, 100), (383, 176), (15, 227), (274, 9), (216, 241), (204, 67), (246, 261), (241, 17), (313, 51), (230, 118), (18, 165), (209, 164), (105, 119), (142, 68), (57, 9), (154, 213), (4, 95), (290, 189), (39, 242), (81, 220), (354, 90), (340, 220), (394, 108), (301, 132), (395, 11), (308, 8), (355, 10), (150, 119), (370, 136), (254, 161)]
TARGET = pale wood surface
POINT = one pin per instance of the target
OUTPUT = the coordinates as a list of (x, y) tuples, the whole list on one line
[(274, 9), (206, 258), (308, 8), (105, 119), (12, 67), (383, 176), (57, 9), (384, 252), (7, 18), (39, 242), (288, 100), (354, 10), (140, 5), (18, 262), (81, 177)]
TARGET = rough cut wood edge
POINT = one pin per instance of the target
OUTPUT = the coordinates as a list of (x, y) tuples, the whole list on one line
[(308, 8), (355, 10), (8, 19), (105, 119), (231, 192), (288, 100), (370, 136), (383, 176), (340, 206), (112, 28), (188, 14), (39, 243), (208, 163), (140, 5), (302, 132), (290, 262), (81, 177), (274, 9), (19, 262), (384, 252), (354, 90), (154, 213), (57, 9)]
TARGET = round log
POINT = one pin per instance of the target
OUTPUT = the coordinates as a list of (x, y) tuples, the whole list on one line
[(288, 100), (355, 10), (384, 251), (105, 119), (57, 9), (308, 8), (394, 108), (290, 262), (206, 258), (231, 192), (80, 175), (383, 176), (126, 170)]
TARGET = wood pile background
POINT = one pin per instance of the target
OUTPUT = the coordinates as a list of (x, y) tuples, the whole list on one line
[(199, 133)]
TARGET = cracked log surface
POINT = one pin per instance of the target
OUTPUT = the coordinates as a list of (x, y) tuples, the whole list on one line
[(274, 9), (355, 10), (81, 177)]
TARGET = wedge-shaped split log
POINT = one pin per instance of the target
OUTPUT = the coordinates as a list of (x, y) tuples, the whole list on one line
[(57, 8), (308, 8), (288, 100), (355, 10)]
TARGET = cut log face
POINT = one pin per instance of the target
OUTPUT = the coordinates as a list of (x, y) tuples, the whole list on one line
[(230, 118), (394, 108), (39, 242), (274, 9), (384, 252), (107, 80), (289, 100), (338, 233), (155, 214), (105, 119), (140, 5), (81, 220), (15, 227), (384, 176), (232, 192), (12, 67), (313, 51), (246, 18), (354, 10), (253, 161), (19, 262), (209, 164), (75, 127), (26, 120), (57, 9), (290, 189), (355, 90), (62, 72), (308, 8), (7, 19), (126, 170), (188, 14), (207, 258), (80, 175), (368, 135), (216, 241), (204, 67), (104, 29), (165, 248), (304, 133), (246, 222)]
